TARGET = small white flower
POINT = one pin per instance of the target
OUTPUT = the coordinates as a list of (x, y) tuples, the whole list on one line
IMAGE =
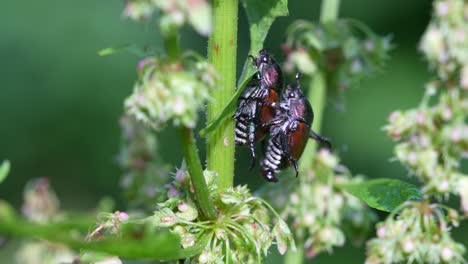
[(408, 246), (446, 253), (381, 231), (441, 8)]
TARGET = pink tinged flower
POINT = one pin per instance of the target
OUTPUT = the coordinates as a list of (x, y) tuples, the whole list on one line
[(444, 186), (311, 253), (420, 118), (172, 192), (408, 246), (142, 63), (122, 216), (441, 8), (456, 135), (180, 176), (394, 116), (167, 219), (412, 158), (182, 207), (447, 113), (381, 231), (446, 253)]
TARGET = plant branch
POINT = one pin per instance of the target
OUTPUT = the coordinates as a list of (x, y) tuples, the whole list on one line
[(222, 52), (317, 97), (204, 202), (329, 10)]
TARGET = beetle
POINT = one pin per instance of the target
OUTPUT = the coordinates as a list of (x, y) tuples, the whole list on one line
[(289, 132), (255, 104)]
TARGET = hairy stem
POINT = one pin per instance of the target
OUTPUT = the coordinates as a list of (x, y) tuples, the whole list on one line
[(222, 52), (317, 96), (204, 202)]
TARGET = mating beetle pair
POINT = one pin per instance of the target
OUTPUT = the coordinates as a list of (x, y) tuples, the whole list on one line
[(285, 117)]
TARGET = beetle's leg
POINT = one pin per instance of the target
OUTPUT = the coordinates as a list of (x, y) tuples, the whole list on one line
[(287, 152), (251, 139), (274, 121), (320, 139)]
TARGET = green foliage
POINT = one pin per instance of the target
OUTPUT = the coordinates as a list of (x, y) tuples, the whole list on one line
[(4, 170), (133, 240), (261, 15), (383, 194)]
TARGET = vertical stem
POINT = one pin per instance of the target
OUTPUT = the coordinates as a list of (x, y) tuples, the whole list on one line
[(171, 43), (204, 202), (295, 257), (317, 97), (329, 10), (222, 52)]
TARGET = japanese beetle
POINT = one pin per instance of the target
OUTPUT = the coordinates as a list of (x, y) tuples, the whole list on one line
[(289, 132), (254, 106)]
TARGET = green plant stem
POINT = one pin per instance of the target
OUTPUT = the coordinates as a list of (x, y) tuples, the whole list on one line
[(295, 257), (222, 50), (171, 43), (317, 96), (329, 10), (204, 202)]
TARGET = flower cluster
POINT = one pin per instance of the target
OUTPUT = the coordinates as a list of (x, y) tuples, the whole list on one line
[(144, 175), (346, 49), (241, 232), (41, 205), (170, 90), (445, 42), (172, 13), (433, 138), (419, 234), (323, 215)]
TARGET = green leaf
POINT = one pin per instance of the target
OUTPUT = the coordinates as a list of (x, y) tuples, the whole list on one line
[(229, 109), (383, 194), (134, 241), (4, 170), (130, 48), (261, 15)]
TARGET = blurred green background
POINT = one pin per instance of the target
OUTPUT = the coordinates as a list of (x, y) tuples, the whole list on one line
[(60, 102)]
